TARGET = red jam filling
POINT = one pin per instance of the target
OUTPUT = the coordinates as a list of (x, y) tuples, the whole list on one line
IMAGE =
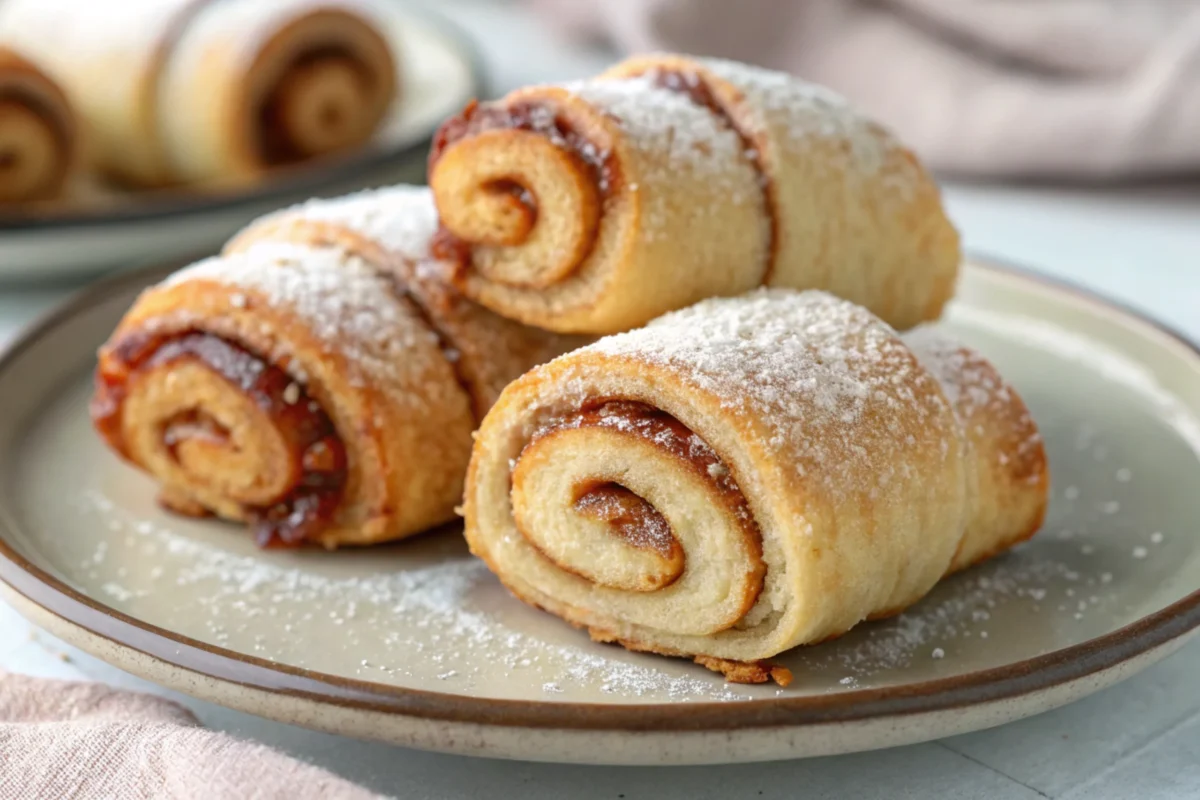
[(318, 453)]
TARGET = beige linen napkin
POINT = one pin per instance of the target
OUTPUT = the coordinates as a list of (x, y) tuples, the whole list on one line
[(1079, 88), (62, 739)]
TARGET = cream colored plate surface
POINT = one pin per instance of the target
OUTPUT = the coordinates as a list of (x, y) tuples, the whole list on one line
[(1117, 401), (440, 74)]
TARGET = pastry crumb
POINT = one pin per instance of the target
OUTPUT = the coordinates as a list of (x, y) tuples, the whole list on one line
[(747, 671)]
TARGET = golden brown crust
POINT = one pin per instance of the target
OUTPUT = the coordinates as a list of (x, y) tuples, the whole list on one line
[(325, 318), (181, 503), (1010, 472), (679, 212), (747, 671), (853, 213), (734, 671), (847, 447)]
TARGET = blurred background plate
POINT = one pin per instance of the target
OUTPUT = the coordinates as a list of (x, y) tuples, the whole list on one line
[(442, 71)]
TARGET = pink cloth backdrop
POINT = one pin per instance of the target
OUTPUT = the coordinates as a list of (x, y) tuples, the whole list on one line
[(65, 739), (1077, 88)]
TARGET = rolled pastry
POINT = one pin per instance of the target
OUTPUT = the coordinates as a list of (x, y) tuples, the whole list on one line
[(596, 206), (395, 226), (211, 90), (39, 138), (1007, 479), (748, 475), (291, 387)]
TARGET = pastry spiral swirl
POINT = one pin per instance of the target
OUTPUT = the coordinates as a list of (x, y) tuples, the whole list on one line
[(318, 379), (596, 206), (747, 475), (291, 387)]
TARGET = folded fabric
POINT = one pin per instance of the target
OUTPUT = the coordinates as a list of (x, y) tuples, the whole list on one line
[(1059, 88), (72, 739)]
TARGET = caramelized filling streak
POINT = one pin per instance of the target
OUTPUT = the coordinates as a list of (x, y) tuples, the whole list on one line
[(631, 517), (695, 89), (317, 451)]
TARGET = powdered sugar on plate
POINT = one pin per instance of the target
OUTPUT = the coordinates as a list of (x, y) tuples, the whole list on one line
[(443, 618), (958, 610), (351, 609), (442, 610)]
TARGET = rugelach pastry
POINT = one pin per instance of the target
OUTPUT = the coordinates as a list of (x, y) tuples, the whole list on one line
[(595, 206), (750, 474), (211, 91)]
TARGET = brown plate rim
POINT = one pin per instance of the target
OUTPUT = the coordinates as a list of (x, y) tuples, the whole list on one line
[(314, 178), (1013, 680)]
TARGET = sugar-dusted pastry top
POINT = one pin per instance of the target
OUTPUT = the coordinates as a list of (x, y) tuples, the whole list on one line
[(980, 396), (594, 206), (746, 475), (811, 112), (401, 218), (685, 137), (295, 386), (811, 366), (338, 296), (970, 382), (398, 224)]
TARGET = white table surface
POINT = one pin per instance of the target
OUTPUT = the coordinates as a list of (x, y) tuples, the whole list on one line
[(1140, 738)]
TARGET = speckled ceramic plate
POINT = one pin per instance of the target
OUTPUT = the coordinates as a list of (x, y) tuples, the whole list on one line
[(440, 72), (417, 644)]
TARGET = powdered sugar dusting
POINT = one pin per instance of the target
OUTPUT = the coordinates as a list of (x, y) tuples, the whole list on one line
[(668, 435), (442, 610), (401, 218), (966, 377), (802, 112), (339, 296), (960, 609), (808, 365), (973, 386), (1095, 355), (658, 120), (681, 141), (630, 517)]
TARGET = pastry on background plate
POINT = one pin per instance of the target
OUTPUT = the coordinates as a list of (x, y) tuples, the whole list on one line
[(219, 91), (39, 135)]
